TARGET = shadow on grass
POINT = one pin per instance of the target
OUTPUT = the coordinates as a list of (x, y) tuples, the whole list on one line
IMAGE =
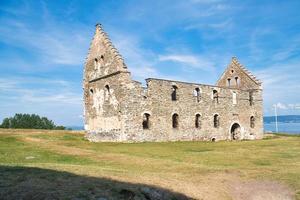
[(36, 183)]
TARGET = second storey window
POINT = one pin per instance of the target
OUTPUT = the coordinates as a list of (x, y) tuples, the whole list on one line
[(197, 94), (228, 82), (216, 96), (174, 93), (237, 81), (234, 101), (96, 63), (251, 98), (107, 89)]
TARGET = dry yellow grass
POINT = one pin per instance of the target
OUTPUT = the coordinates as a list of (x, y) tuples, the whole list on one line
[(264, 169)]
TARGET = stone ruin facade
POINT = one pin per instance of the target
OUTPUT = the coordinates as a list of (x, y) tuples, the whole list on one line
[(119, 109)]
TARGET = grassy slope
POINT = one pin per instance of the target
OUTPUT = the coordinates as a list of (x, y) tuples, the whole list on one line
[(197, 169)]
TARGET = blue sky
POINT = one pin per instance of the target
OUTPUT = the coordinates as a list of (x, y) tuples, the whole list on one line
[(43, 45)]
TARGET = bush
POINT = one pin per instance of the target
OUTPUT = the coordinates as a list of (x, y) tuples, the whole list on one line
[(28, 121)]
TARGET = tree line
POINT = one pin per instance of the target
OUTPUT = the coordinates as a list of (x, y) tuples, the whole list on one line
[(29, 121)]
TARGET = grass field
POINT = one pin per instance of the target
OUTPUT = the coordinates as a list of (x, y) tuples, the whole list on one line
[(63, 165)]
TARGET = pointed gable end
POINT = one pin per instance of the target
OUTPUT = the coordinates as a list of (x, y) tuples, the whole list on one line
[(103, 58), (237, 76)]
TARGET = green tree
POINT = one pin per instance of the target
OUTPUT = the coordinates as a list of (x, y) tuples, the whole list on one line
[(28, 121)]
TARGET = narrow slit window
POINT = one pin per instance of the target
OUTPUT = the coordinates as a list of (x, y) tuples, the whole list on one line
[(107, 89), (175, 120), (96, 62), (252, 122), (237, 81), (234, 100), (216, 121), (198, 121), (174, 93), (197, 94), (216, 96), (228, 82), (251, 98)]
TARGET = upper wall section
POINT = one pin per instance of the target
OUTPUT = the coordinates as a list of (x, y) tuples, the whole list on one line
[(103, 58), (237, 76)]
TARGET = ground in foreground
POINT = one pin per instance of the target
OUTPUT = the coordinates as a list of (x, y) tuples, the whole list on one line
[(63, 165)]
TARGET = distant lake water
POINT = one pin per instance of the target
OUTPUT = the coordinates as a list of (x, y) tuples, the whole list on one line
[(292, 128)]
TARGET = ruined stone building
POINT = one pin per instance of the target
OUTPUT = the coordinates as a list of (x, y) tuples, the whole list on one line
[(117, 108)]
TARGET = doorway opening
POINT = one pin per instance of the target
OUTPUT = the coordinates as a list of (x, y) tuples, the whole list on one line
[(235, 131)]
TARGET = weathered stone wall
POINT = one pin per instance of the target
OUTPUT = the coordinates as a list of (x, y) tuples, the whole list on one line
[(115, 104), (159, 105)]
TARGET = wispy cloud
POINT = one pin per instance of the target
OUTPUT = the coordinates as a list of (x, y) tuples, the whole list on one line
[(58, 99), (39, 90), (189, 60), (53, 45)]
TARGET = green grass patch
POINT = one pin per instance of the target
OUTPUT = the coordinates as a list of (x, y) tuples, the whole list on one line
[(275, 158)]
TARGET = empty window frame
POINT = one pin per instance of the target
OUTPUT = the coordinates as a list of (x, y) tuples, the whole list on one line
[(107, 89), (237, 81), (228, 82), (251, 98), (175, 120), (216, 96), (146, 121), (91, 91), (174, 93), (96, 62), (197, 94), (216, 121), (252, 122), (234, 99), (198, 121)]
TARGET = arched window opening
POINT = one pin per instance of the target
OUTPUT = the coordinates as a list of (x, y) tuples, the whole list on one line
[(215, 96), (197, 94), (91, 91), (232, 71), (198, 121), (102, 58), (252, 122), (251, 98), (237, 81), (216, 121), (174, 93), (175, 120), (107, 89), (228, 82), (234, 101), (146, 121)]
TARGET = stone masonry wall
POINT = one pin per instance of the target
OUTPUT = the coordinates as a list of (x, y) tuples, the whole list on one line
[(115, 105)]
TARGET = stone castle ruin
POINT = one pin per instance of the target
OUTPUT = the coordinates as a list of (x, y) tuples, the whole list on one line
[(117, 108)]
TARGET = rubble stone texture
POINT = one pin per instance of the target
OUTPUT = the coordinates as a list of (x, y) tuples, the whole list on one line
[(117, 108)]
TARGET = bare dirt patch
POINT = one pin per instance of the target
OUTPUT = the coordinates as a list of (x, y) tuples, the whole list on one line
[(260, 190)]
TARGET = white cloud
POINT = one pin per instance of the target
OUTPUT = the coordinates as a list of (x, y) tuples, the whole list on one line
[(140, 61), (52, 44), (189, 61), (280, 85), (280, 106), (38, 90)]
